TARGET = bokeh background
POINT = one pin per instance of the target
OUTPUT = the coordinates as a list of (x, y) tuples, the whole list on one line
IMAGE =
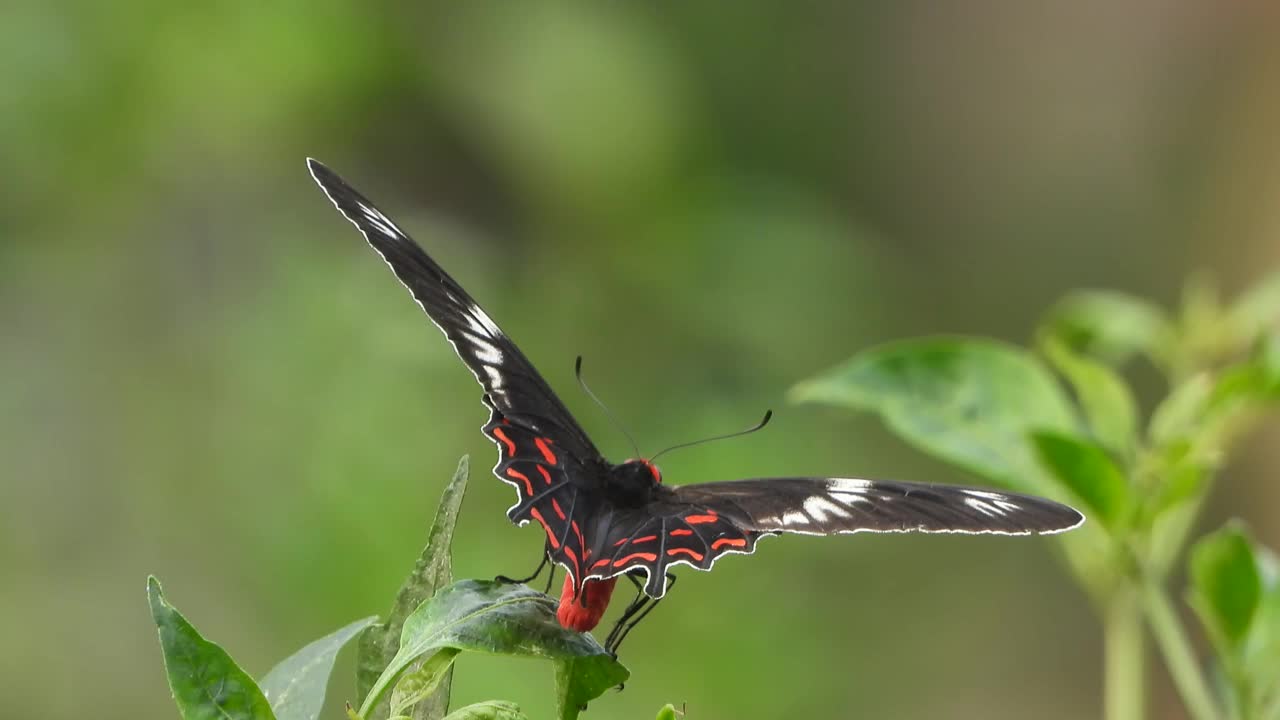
[(205, 374)]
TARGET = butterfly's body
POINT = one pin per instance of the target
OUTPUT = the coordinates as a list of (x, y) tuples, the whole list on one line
[(604, 520)]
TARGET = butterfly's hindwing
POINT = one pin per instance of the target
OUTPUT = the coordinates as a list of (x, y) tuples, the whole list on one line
[(643, 541), (549, 485)]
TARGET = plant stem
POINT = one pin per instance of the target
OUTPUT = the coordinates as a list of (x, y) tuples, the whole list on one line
[(1125, 687), (1178, 656)]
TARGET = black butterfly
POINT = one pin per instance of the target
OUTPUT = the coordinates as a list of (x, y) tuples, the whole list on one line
[(606, 520)]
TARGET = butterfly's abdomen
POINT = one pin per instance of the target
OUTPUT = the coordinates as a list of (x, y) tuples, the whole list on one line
[(584, 613)]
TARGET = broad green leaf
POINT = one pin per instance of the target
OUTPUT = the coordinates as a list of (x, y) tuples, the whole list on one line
[(1112, 326), (296, 686), (1225, 585), (206, 683), (489, 710), (1107, 402), (971, 402), (1089, 473), (1257, 309), (380, 643), (505, 619), (415, 686)]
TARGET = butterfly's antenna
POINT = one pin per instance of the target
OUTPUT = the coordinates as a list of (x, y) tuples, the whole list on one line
[(764, 421), (577, 372)]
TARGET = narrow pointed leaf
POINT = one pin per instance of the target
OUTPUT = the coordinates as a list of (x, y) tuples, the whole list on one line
[(499, 618), (1107, 402), (970, 402), (206, 683), (297, 685), (380, 643), (489, 710), (1257, 309), (1179, 414)]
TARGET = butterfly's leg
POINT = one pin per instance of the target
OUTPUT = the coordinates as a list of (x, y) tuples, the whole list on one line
[(647, 608), (546, 555), (636, 606), (551, 576)]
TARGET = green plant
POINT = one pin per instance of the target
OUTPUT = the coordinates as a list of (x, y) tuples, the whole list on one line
[(404, 663), (1001, 412)]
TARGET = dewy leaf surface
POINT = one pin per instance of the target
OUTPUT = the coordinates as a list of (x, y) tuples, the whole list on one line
[(380, 643), (970, 402), (206, 683), (296, 686), (506, 619)]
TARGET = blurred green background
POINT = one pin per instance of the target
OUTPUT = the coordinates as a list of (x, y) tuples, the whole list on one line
[(206, 374)]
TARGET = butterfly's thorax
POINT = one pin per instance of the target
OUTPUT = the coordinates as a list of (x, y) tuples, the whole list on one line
[(633, 483)]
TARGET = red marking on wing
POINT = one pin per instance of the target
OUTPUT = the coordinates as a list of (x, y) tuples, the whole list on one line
[(583, 614), (542, 444), (545, 475), (681, 531), (556, 506), (646, 538), (551, 537), (572, 555), (598, 563), (735, 542), (576, 531), (701, 519), (643, 556), (511, 446), (512, 472), (676, 551)]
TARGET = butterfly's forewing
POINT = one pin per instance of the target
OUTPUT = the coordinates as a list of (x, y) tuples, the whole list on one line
[(543, 452), (695, 525), (511, 384)]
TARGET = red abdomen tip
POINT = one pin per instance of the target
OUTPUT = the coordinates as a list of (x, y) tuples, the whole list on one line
[(583, 615)]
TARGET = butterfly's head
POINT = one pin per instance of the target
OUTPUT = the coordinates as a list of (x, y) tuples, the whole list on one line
[(632, 482)]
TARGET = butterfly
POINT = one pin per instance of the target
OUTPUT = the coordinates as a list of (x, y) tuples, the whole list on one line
[(603, 520)]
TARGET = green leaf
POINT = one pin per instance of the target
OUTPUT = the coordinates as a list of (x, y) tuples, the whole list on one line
[(380, 643), (1107, 402), (1257, 309), (1087, 470), (971, 402), (1261, 652), (489, 710), (1179, 414), (1225, 585), (506, 619), (1112, 326), (668, 712), (206, 683), (415, 686), (296, 686)]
